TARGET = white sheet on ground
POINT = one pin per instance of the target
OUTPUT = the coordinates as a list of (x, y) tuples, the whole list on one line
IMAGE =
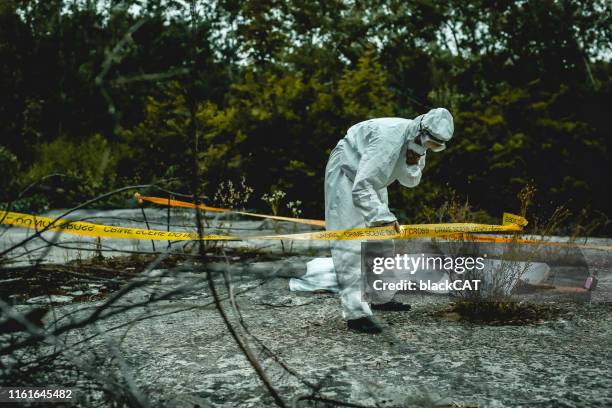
[(320, 275)]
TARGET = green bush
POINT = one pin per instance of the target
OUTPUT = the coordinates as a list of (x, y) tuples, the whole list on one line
[(9, 168), (89, 167)]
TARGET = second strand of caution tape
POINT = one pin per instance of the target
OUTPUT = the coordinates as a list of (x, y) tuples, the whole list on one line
[(510, 223)]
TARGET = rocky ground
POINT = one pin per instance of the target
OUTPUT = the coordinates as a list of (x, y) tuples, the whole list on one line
[(188, 358)]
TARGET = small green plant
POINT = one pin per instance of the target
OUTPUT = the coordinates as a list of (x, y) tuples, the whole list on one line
[(98, 251), (233, 196), (294, 208), (274, 200), (525, 197), (296, 212), (503, 312), (454, 209)]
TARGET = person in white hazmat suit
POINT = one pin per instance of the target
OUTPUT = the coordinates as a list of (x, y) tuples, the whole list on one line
[(371, 156)]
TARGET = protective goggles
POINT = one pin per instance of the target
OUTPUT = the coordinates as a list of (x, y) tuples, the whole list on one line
[(429, 141)]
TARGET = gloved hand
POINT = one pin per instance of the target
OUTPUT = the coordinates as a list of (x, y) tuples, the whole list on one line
[(395, 225)]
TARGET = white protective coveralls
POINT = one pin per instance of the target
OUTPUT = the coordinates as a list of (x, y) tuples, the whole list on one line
[(369, 158)]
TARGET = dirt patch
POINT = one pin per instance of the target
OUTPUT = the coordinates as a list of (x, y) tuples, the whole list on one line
[(501, 313), (75, 281)]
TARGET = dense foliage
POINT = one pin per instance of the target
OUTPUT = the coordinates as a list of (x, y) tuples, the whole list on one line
[(105, 92)]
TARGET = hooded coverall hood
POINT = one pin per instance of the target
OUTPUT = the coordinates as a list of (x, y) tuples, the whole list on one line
[(439, 122)]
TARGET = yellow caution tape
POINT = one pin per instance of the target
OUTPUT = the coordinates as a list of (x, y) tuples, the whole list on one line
[(407, 231), (377, 233), (185, 204), (510, 219), (516, 240), (99, 230), (448, 231)]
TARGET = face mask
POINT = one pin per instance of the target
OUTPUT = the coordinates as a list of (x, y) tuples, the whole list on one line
[(409, 176), (417, 148)]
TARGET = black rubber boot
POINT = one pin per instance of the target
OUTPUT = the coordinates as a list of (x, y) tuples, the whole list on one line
[(364, 325), (391, 306)]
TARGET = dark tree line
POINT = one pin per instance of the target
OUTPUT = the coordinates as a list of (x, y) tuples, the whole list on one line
[(97, 91)]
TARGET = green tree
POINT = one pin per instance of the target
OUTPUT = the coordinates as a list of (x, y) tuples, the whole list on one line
[(364, 90)]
